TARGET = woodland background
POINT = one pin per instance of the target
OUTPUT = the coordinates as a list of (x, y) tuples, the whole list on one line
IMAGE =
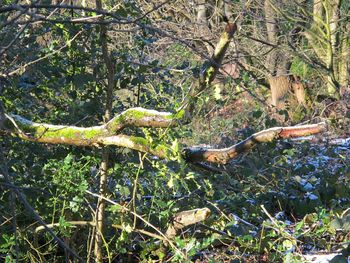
[(163, 88)]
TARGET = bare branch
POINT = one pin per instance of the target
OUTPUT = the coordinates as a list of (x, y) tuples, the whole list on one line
[(223, 156)]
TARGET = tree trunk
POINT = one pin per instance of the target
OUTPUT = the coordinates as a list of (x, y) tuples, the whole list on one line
[(344, 61), (333, 9), (277, 61), (323, 36), (271, 29), (100, 209), (202, 24)]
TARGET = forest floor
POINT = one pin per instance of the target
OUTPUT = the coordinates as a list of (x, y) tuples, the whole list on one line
[(304, 184)]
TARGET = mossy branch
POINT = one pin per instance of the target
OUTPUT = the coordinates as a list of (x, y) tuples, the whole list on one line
[(137, 143), (90, 136), (106, 135), (211, 67), (210, 70), (140, 117)]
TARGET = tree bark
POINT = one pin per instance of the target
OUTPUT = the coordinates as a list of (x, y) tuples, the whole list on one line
[(322, 37), (271, 29), (223, 156), (100, 208), (344, 61)]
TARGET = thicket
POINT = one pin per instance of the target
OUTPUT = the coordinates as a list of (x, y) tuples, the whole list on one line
[(63, 65)]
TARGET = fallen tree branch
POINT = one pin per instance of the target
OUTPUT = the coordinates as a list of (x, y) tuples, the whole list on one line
[(223, 156), (137, 143), (106, 135)]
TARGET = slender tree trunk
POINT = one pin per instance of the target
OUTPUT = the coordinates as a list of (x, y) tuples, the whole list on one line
[(271, 29), (334, 30), (202, 23), (344, 61), (326, 22), (100, 209), (333, 19), (277, 61)]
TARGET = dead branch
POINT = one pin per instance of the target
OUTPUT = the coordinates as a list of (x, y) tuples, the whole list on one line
[(186, 218), (223, 156)]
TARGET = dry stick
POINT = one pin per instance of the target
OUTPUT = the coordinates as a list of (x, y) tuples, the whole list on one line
[(134, 192), (91, 223), (91, 233)]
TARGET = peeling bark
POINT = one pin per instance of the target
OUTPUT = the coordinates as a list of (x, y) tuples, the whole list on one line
[(223, 156)]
